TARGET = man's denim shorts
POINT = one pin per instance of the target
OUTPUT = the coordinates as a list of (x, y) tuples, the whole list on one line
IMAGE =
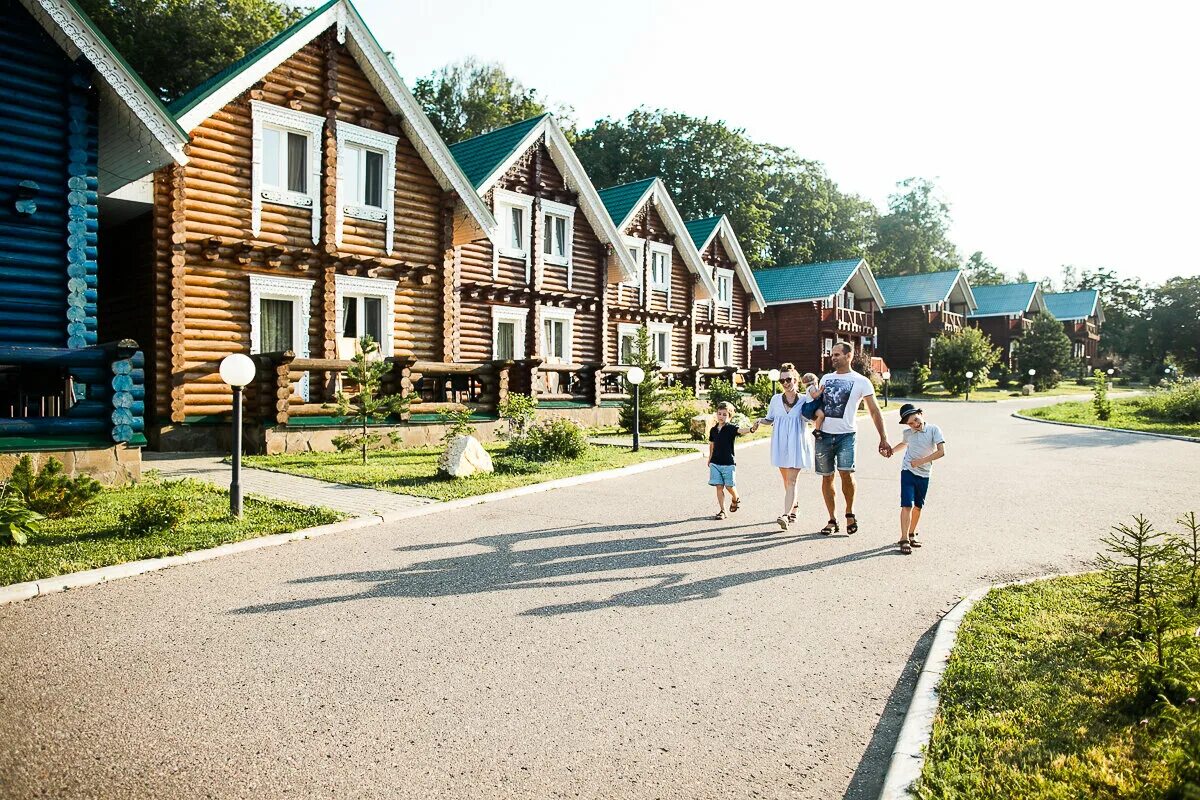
[(913, 488), (721, 475), (835, 450)]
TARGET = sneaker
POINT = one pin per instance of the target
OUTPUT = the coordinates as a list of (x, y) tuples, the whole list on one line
[(783, 521)]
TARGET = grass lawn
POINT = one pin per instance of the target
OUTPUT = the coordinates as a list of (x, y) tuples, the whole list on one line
[(990, 392), (95, 538), (1127, 414), (1030, 709), (414, 471)]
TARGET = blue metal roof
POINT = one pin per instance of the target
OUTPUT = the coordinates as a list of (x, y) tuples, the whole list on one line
[(917, 290), (480, 156), (802, 282), (701, 229), (620, 200), (1010, 298), (1073, 305)]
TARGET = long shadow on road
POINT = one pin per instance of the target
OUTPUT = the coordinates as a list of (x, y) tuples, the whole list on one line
[(507, 563)]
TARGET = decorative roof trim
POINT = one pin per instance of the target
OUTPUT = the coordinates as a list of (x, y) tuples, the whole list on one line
[(745, 274), (683, 240)]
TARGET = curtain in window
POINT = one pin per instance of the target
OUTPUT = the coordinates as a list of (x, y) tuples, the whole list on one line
[(626, 356), (373, 311), (297, 162), (275, 326), (505, 339), (271, 176), (560, 236), (350, 317), (518, 226), (373, 185)]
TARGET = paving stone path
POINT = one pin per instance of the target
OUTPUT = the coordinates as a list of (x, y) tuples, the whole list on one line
[(609, 640)]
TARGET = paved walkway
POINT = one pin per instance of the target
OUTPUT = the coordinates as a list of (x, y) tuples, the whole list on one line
[(609, 640), (356, 500)]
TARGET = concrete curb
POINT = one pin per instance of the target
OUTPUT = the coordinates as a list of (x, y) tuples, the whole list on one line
[(75, 580), (1176, 437), (908, 756)]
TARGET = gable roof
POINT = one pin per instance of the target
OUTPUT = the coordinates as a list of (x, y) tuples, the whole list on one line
[(703, 231), (623, 201), (482, 155), (492, 157), (1082, 304), (1007, 299), (924, 289), (210, 96), (802, 283), (137, 132)]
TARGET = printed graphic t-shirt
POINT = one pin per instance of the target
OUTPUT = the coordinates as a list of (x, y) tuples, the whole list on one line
[(843, 393)]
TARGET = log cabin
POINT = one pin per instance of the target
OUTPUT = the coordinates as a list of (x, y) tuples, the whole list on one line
[(722, 323), (78, 129), (536, 296), (319, 205), (809, 308), (920, 308), (1005, 313), (1082, 316)]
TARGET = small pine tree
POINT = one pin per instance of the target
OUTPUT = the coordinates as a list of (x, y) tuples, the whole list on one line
[(1134, 551), (369, 402), (1047, 349), (1100, 401), (1187, 546), (651, 414), (919, 377)]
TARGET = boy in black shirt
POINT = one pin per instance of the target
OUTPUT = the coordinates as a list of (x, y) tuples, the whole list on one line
[(720, 457)]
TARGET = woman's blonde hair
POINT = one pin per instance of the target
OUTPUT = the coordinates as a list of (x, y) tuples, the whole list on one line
[(787, 366)]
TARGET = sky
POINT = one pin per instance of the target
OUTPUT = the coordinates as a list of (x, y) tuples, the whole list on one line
[(1058, 132)]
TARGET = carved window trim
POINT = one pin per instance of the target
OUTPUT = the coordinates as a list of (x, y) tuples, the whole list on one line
[(309, 125), (705, 343), (550, 209), (624, 330), (720, 339), (565, 316), (354, 135), (502, 201), (665, 250), (385, 290), (758, 340), (655, 328), (520, 318), (299, 292)]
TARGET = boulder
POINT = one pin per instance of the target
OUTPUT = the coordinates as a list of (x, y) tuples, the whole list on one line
[(698, 427), (464, 456), (1027, 390)]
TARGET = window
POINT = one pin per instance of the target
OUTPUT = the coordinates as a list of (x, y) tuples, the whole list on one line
[(725, 288), (286, 165), (558, 220), (660, 343), (701, 352), (724, 354), (364, 308), (829, 302), (279, 316), (627, 336), (556, 334), (366, 177), (827, 346), (508, 332), (660, 267), (758, 340), (847, 299), (514, 211)]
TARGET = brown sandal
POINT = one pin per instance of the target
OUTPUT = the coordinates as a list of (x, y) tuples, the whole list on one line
[(851, 524), (735, 504), (905, 547)]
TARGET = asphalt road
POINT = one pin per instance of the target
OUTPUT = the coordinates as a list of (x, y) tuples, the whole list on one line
[(604, 641)]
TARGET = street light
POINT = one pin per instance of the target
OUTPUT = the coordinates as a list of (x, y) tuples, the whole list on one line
[(969, 375), (635, 376), (236, 370), (774, 376), (887, 376)]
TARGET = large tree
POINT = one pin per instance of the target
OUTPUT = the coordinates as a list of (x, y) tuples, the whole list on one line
[(1174, 323), (1046, 349), (469, 97), (914, 236), (981, 272), (175, 45), (1125, 301)]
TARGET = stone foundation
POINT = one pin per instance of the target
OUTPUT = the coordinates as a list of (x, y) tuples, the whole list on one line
[(112, 466)]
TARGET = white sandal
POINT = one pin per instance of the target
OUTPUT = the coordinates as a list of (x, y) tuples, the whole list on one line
[(783, 521)]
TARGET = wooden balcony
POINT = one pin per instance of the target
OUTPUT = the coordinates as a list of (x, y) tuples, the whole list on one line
[(848, 321), (1083, 329), (946, 321)]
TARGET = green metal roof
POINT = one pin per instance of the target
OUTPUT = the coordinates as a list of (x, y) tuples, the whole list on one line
[(1011, 298), (479, 157), (620, 200), (917, 290), (1073, 305), (184, 104), (805, 281), (701, 229)]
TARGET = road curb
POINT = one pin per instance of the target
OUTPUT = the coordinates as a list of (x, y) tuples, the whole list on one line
[(60, 583), (908, 756), (1176, 437)]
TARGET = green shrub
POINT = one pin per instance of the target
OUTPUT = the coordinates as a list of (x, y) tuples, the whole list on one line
[(17, 520), (458, 423), (49, 491), (518, 411), (515, 465), (1100, 401), (918, 378), (1178, 402), (157, 511), (956, 354), (1047, 349), (762, 390), (680, 404), (556, 439), (723, 391)]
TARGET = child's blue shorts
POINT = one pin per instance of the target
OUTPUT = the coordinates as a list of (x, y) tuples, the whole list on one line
[(809, 409), (912, 489), (720, 475)]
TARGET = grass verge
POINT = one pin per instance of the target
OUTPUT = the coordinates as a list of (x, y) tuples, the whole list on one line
[(95, 538), (674, 432), (1130, 415), (414, 471), (1031, 709)]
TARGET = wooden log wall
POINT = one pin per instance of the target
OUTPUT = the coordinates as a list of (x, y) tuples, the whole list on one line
[(206, 250), (793, 334)]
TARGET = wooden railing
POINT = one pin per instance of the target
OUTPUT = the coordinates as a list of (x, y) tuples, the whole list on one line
[(849, 320), (947, 320), (1085, 328), (567, 381)]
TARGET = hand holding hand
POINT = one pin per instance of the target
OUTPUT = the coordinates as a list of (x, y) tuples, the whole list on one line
[(885, 449)]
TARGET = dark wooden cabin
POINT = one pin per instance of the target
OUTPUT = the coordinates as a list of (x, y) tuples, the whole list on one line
[(1004, 313), (77, 131), (1082, 317), (809, 308), (917, 310)]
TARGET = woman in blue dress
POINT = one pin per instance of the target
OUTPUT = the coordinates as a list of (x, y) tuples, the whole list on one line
[(791, 450)]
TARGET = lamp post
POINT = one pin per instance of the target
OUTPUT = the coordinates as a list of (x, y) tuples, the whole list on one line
[(887, 376), (635, 376), (774, 376), (970, 374), (1032, 372), (236, 370), (1110, 375)]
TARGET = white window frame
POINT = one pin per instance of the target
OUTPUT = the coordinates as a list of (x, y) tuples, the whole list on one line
[(299, 292), (725, 276), (706, 343), (662, 327), (626, 329), (758, 340), (502, 201), (385, 290), (290, 121), (827, 346), (354, 207), (719, 340), (519, 317), (663, 285), (548, 209), (565, 316)]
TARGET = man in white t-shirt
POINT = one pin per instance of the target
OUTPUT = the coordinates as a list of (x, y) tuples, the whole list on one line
[(843, 391)]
